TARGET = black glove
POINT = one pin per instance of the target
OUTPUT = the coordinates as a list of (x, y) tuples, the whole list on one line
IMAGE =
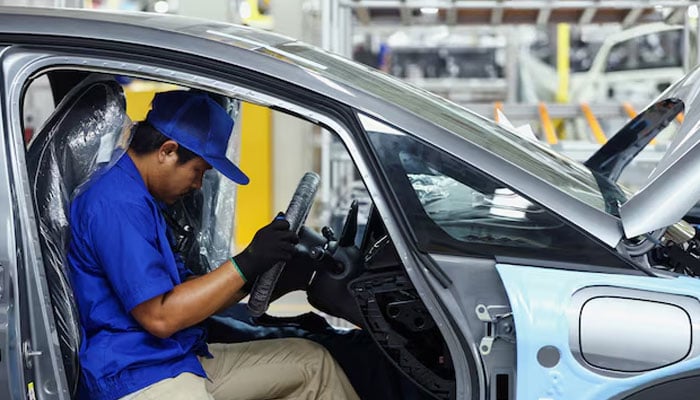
[(271, 244)]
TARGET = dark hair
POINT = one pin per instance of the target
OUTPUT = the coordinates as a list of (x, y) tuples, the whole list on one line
[(146, 139)]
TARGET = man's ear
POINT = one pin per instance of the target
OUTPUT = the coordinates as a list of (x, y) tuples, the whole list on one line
[(168, 150)]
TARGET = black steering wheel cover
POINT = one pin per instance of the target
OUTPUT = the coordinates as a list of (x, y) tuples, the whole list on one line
[(297, 211)]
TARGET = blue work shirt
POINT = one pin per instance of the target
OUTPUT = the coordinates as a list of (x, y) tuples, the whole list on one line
[(120, 256)]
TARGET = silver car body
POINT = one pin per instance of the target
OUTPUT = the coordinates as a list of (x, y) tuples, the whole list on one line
[(572, 317)]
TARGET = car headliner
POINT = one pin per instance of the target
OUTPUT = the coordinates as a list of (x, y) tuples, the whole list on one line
[(248, 48)]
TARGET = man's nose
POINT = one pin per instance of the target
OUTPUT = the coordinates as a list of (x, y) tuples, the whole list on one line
[(197, 184)]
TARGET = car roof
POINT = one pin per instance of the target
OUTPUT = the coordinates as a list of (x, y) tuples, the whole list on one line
[(249, 48), (135, 27)]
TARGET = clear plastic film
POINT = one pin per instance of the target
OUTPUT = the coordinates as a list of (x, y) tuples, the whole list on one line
[(84, 136), (202, 224), (430, 188)]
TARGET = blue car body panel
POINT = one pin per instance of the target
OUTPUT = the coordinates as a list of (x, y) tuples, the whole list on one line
[(541, 304)]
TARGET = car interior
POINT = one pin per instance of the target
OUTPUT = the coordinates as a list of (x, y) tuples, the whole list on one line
[(355, 275)]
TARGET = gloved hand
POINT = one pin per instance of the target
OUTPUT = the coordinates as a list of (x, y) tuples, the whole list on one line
[(272, 243)]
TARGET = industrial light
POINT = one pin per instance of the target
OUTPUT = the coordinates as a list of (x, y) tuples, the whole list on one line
[(693, 11), (429, 10), (161, 7)]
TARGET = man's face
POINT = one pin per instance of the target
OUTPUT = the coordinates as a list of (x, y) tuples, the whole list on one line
[(176, 179)]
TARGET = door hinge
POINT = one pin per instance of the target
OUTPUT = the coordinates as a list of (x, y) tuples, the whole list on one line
[(498, 324), (29, 354)]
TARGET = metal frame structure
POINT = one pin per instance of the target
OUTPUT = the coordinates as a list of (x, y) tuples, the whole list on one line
[(337, 16), (46, 3), (496, 12)]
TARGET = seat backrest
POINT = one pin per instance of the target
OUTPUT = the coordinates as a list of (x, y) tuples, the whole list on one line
[(78, 139)]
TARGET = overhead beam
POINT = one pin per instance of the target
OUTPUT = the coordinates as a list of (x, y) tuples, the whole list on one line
[(497, 9), (522, 4)]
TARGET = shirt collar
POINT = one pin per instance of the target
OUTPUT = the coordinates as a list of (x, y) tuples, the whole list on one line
[(126, 164)]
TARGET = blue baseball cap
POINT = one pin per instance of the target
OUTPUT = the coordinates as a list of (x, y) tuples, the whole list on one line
[(198, 123)]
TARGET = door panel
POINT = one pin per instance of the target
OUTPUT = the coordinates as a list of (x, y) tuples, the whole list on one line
[(583, 335)]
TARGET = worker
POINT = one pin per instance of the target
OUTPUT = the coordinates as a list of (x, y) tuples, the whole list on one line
[(140, 309)]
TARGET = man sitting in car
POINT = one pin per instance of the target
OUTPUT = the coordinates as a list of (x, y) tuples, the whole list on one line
[(140, 308)]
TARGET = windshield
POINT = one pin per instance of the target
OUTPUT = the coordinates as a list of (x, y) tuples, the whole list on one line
[(454, 208), (569, 176)]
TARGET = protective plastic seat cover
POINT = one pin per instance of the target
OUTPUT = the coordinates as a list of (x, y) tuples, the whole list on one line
[(87, 132)]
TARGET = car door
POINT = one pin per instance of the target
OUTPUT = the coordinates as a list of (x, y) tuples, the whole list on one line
[(34, 364), (465, 223), (548, 312), (37, 368), (15, 380), (31, 361), (599, 335)]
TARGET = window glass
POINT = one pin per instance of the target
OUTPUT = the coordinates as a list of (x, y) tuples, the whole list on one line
[(568, 175), (455, 209), (655, 50)]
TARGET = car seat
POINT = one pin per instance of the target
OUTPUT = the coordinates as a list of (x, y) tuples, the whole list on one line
[(78, 139)]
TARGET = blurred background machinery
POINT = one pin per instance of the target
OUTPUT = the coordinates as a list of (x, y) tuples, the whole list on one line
[(574, 71)]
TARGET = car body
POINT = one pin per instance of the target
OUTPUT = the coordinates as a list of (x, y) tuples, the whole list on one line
[(633, 65), (488, 266)]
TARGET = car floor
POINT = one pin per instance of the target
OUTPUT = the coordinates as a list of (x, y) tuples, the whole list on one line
[(372, 375)]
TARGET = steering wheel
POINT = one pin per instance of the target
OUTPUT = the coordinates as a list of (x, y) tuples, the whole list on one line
[(297, 211)]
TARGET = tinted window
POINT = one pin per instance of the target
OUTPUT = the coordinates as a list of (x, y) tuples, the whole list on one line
[(455, 209)]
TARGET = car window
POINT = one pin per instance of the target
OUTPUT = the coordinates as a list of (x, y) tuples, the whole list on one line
[(581, 54), (455, 209), (654, 50), (38, 105)]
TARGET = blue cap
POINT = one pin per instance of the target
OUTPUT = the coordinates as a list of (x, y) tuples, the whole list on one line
[(198, 123)]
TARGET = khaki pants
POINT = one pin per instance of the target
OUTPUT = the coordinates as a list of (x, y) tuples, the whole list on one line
[(264, 369)]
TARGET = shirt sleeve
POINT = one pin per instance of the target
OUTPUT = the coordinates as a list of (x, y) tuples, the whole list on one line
[(183, 271), (126, 245)]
